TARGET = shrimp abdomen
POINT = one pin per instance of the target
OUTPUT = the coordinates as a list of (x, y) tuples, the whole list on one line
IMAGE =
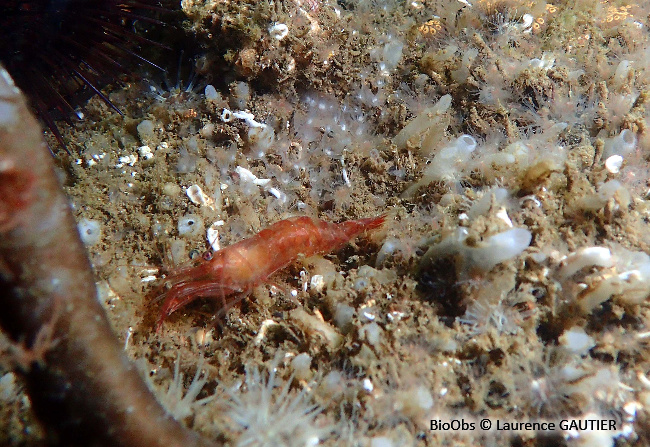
[(305, 236), (253, 260)]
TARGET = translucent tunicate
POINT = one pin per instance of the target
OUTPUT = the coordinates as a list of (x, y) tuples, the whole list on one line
[(621, 144), (145, 129), (190, 225), (90, 231), (211, 93)]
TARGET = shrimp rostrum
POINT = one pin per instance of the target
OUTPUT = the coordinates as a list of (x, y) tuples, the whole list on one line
[(236, 269)]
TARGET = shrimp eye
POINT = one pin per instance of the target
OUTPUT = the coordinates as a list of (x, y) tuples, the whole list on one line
[(207, 255), (194, 254)]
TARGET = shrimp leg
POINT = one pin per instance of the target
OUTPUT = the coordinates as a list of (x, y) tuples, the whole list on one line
[(184, 293)]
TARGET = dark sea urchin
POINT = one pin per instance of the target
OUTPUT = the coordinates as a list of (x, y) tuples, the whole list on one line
[(58, 51)]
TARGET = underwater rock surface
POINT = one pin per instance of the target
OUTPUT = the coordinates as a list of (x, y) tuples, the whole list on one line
[(507, 143)]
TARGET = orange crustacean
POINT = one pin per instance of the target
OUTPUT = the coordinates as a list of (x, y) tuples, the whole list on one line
[(236, 269)]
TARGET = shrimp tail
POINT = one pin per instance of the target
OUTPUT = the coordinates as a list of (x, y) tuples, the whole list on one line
[(352, 228), (333, 236)]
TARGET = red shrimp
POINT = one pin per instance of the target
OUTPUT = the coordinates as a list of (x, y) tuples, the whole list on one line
[(236, 269)]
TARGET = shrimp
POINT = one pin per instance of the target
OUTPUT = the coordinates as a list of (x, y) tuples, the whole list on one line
[(236, 269)]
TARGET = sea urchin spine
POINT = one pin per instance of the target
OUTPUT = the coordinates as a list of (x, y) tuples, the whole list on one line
[(54, 49)]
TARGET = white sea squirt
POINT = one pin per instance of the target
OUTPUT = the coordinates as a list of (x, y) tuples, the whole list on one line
[(483, 255), (621, 144), (447, 164)]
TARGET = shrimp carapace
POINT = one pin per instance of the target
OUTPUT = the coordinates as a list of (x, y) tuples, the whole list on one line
[(236, 269)]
